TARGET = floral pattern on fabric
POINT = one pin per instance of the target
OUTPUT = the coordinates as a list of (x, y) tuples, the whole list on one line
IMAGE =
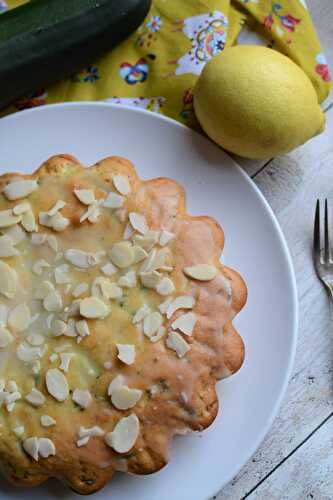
[(134, 73), (156, 68), (322, 68), (208, 34), (287, 20), (88, 75), (148, 32)]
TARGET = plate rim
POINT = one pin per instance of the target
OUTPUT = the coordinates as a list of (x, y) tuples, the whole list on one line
[(273, 219)]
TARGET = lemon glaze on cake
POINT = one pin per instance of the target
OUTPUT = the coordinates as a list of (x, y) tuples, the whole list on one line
[(115, 322)]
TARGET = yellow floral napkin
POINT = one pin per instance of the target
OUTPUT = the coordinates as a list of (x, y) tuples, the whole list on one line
[(157, 67)]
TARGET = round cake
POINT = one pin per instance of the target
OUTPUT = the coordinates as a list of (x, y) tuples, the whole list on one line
[(115, 322)]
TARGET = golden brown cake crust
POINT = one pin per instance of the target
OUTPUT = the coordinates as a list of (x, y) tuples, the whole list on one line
[(185, 397)]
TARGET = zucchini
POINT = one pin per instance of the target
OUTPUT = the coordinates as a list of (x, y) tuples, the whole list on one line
[(46, 40)]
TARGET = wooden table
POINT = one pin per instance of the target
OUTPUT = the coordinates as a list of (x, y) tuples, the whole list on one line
[(295, 461)]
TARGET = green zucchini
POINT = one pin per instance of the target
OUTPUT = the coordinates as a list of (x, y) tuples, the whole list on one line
[(46, 40)]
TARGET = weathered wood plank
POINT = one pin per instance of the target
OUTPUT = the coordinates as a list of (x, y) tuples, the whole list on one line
[(291, 184), (307, 474)]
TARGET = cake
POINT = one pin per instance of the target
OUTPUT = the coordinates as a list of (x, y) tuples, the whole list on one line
[(115, 322)]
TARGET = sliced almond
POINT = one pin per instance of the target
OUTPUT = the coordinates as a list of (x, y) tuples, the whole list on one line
[(16, 234), (7, 248), (128, 280), (19, 189), (46, 447), (94, 431), (82, 397), (38, 239), (21, 208), (121, 215), (71, 329), (61, 274), (6, 337), (56, 384), (19, 430), (85, 196), (8, 280), (57, 221), (73, 309), (117, 382), (35, 367), (94, 308), (113, 200), (155, 261), (79, 258), (47, 421), (141, 313), (38, 266), (56, 207), (59, 327), (35, 339), (35, 397), (53, 301), (122, 254), (80, 289), (126, 353), (3, 315), (176, 342), (82, 328), (109, 269), (150, 279), (139, 254), (121, 183), (82, 441), (27, 353), (19, 318), (201, 272), (165, 238), (180, 302), (152, 323), (163, 307), (106, 288), (165, 287), (7, 218), (124, 435), (160, 333), (128, 233), (147, 242), (185, 323), (138, 222), (28, 221), (31, 447), (65, 359), (94, 214), (124, 398), (52, 242)]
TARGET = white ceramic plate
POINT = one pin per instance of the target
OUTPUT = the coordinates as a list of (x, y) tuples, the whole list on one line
[(201, 464)]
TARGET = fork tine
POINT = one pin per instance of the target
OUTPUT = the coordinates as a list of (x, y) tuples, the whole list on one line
[(316, 232), (327, 240)]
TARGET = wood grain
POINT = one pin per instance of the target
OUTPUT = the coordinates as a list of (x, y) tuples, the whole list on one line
[(307, 474), (291, 185)]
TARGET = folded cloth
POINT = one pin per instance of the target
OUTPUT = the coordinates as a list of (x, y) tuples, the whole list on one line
[(157, 66)]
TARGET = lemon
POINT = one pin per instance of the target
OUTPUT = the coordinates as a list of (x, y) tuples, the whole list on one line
[(256, 102)]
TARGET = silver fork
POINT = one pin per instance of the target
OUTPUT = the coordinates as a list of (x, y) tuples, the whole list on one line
[(322, 258)]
